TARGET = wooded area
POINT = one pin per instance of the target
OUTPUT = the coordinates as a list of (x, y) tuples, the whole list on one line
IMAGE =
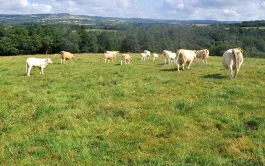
[(52, 38)]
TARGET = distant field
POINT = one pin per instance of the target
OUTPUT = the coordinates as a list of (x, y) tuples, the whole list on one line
[(146, 113), (99, 30), (260, 27)]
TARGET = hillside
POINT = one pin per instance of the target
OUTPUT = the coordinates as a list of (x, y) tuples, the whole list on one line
[(91, 20)]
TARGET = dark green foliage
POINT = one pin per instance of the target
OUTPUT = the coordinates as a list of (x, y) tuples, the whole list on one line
[(52, 38)]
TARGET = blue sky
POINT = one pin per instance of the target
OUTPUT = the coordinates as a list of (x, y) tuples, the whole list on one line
[(223, 10)]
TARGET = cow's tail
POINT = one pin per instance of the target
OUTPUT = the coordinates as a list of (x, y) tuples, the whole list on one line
[(180, 57), (236, 59)]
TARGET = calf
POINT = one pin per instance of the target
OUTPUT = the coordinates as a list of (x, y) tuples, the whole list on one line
[(148, 53), (143, 56), (155, 56), (110, 55), (126, 58), (168, 56), (37, 62)]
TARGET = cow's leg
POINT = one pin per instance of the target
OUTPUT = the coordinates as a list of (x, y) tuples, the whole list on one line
[(165, 61), (61, 61), (189, 65), (121, 62), (178, 67), (29, 68), (236, 72), (41, 71), (231, 71)]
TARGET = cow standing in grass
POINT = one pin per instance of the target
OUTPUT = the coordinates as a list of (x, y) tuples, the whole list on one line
[(148, 53), (126, 58), (143, 56), (233, 59), (66, 56), (155, 56), (185, 56), (168, 56), (202, 54), (37, 62), (110, 55)]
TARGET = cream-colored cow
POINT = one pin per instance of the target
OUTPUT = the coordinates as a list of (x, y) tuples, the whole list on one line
[(185, 56), (202, 54), (126, 58), (66, 56), (233, 59)]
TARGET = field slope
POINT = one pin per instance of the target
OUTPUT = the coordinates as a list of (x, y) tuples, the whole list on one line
[(91, 113)]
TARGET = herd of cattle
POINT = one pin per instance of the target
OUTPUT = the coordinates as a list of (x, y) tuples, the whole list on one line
[(232, 59)]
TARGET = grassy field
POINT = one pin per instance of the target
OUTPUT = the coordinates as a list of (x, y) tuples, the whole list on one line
[(146, 113)]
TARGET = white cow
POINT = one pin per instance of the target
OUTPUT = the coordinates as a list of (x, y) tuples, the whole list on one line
[(203, 54), (37, 62), (168, 56), (185, 56), (232, 59), (143, 56), (155, 55), (148, 53), (126, 58)]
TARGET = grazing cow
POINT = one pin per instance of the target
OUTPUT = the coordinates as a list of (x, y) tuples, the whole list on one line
[(168, 56), (110, 55), (143, 56), (126, 58), (155, 55), (66, 56), (203, 54), (185, 56), (37, 62), (148, 53), (113, 52), (232, 59)]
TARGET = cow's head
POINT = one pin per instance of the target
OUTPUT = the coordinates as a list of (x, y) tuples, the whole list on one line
[(239, 49), (48, 60)]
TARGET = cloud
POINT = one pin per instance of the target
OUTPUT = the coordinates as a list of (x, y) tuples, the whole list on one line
[(213, 9), (23, 7), (160, 9)]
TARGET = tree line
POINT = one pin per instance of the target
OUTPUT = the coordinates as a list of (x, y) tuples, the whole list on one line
[(52, 38)]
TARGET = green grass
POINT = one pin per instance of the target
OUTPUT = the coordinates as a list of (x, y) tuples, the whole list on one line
[(92, 113)]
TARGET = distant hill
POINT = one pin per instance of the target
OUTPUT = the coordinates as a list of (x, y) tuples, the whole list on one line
[(93, 20)]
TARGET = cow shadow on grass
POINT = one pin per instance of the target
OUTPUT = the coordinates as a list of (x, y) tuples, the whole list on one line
[(214, 76), (168, 70), (160, 64)]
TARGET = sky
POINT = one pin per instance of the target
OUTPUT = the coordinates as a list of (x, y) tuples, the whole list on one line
[(222, 10)]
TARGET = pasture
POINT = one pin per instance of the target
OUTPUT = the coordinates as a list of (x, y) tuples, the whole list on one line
[(93, 113)]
